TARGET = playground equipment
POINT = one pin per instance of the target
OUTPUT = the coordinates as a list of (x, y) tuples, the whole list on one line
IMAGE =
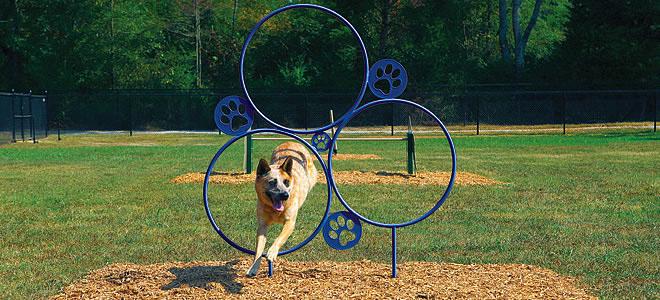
[(235, 115)]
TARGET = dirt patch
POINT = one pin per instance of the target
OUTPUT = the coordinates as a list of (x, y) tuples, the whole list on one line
[(347, 156), (354, 177), (323, 280)]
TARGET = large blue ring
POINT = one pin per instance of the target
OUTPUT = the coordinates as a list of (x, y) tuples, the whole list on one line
[(453, 163), (363, 49), (229, 143)]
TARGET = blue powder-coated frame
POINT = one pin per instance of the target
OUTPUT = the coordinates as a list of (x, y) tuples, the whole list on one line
[(368, 80), (363, 50), (210, 170), (451, 147)]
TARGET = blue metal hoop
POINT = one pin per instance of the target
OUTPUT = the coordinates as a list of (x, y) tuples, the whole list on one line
[(341, 19), (210, 170), (453, 163)]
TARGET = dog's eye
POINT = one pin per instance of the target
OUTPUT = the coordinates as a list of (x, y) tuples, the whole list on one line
[(273, 182), (286, 182)]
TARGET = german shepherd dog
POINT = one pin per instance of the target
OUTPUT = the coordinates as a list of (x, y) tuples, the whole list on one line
[(282, 187)]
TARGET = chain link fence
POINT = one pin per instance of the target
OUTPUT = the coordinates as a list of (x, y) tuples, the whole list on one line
[(467, 111)]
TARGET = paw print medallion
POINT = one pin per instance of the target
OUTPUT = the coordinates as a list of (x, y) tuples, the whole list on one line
[(342, 230), (321, 141), (387, 79), (233, 115)]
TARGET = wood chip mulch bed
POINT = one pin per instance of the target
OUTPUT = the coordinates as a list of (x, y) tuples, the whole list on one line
[(323, 280), (348, 156), (354, 177)]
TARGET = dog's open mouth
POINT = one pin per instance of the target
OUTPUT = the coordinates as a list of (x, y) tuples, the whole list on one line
[(278, 205)]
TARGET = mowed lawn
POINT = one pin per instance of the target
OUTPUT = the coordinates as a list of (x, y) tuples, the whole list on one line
[(584, 205)]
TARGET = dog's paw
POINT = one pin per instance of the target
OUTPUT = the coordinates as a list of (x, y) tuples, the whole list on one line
[(272, 254)]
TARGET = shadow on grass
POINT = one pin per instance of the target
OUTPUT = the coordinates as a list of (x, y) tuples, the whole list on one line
[(202, 276)]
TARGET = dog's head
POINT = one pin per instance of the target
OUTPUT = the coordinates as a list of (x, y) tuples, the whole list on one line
[(273, 183)]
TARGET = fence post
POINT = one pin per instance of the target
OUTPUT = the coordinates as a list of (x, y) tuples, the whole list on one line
[(478, 113), (247, 158), (655, 111), (13, 117), (130, 116), (563, 112), (33, 132), (46, 112), (463, 105), (305, 108)]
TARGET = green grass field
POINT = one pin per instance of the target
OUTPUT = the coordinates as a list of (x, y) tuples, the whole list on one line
[(582, 205)]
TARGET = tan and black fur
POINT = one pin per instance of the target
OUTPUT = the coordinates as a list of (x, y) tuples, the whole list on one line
[(282, 187)]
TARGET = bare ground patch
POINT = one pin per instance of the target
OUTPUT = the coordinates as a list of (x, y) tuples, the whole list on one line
[(323, 280), (354, 177)]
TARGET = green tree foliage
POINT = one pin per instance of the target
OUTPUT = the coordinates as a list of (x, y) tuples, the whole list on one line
[(101, 44)]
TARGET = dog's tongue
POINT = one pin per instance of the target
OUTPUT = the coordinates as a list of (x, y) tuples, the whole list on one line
[(277, 205)]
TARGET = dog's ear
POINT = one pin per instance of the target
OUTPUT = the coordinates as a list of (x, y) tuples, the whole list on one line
[(287, 166), (263, 168)]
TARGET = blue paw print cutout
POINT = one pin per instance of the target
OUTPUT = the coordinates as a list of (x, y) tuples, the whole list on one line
[(321, 141), (387, 79), (342, 230), (233, 115)]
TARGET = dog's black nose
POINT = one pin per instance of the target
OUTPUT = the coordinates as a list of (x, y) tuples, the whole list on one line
[(285, 195)]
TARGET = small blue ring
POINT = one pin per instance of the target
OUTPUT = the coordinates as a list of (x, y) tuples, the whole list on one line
[(453, 163), (363, 49), (210, 170)]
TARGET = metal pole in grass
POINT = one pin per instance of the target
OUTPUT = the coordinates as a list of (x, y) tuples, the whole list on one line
[(394, 252), (477, 99), (563, 113), (46, 112), (13, 117), (410, 139), (33, 132), (247, 156), (655, 111), (130, 116)]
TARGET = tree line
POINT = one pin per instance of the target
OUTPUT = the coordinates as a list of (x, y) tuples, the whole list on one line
[(177, 44)]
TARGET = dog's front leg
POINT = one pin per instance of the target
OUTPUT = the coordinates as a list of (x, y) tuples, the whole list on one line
[(287, 229), (261, 244)]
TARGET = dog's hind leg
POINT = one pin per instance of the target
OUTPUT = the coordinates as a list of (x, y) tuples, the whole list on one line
[(261, 244), (287, 229)]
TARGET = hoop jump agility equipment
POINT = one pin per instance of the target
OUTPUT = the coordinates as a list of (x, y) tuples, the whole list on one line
[(235, 115)]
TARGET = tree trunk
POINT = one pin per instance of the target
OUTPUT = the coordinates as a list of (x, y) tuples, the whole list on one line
[(515, 23), (385, 28), (198, 46), (521, 39), (112, 44), (233, 15), (503, 31)]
